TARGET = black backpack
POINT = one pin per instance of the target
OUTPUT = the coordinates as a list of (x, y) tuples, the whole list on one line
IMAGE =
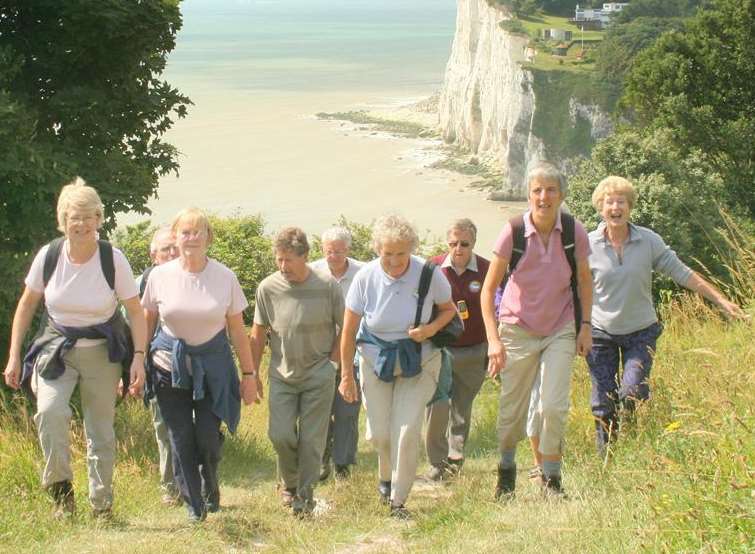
[(567, 240), (53, 255), (453, 329)]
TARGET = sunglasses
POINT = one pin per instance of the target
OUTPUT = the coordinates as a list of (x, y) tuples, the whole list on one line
[(463, 244)]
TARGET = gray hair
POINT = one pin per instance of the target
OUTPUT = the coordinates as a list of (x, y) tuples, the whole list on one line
[(337, 233), (546, 171), (293, 240), (77, 195), (464, 225), (393, 228), (160, 233)]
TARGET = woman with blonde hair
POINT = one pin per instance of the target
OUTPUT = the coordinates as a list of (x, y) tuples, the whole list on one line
[(199, 303), (625, 327), (84, 341)]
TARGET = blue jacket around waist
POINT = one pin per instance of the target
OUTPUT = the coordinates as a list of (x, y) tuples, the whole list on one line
[(213, 371), (409, 355), (53, 341)]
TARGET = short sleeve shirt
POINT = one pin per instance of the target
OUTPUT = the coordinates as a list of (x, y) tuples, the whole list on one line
[(78, 295), (538, 294), (193, 306), (345, 280), (388, 306), (302, 319)]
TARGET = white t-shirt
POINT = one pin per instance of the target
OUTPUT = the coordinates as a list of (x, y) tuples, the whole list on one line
[(78, 295), (193, 306)]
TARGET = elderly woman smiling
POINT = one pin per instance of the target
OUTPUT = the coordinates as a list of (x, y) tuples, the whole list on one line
[(193, 371), (624, 323), (84, 342), (398, 365)]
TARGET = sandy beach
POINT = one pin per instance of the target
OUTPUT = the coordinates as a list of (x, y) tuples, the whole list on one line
[(269, 155)]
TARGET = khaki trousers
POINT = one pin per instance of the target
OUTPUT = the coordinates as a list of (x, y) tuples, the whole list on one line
[(97, 377), (526, 355), (394, 414), (298, 426)]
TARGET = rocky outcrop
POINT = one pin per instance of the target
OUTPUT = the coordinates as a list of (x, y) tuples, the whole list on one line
[(489, 102)]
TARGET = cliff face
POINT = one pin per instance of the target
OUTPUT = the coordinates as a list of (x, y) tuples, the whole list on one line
[(494, 108)]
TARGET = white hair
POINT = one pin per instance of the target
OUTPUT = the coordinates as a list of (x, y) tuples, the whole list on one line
[(546, 171), (393, 228), (337, 233)]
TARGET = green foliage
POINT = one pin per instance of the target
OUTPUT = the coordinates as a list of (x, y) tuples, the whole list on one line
[(678, 193), (623, 42), (134, 241), (699, 85), (80, 94), (657, 8), (513, 26)]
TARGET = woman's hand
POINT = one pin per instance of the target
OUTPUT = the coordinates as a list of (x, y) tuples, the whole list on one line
[(731, 310), (584, 340), (251, 389), (496, 357), (348, 389), (136, 380), (12, 373), (421, 333)]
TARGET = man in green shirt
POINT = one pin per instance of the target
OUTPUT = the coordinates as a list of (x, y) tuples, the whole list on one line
[(302, 309)]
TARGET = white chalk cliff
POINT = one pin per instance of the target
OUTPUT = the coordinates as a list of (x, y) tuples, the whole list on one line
[(487, 104)]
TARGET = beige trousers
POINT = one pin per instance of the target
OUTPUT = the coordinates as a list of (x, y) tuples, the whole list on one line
[(394, 414), (97, 377), (526, 356)]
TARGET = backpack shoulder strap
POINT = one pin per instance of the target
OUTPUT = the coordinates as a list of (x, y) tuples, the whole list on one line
[(520, 244), (54, 248), (569, 244), (145, 278), (424, 286), (567, 239), (106, 260)]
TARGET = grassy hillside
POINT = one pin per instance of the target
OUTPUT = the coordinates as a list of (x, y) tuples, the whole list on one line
[(681, 478)]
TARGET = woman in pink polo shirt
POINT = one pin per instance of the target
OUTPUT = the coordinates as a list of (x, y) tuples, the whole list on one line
[(536, 329)]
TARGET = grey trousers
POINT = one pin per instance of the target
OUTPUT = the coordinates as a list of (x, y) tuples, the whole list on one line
[(298, 426), (167, 482), (343, 431), (448, 423), (97, 377)]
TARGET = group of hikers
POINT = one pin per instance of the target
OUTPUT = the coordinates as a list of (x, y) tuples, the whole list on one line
[(410, 340)]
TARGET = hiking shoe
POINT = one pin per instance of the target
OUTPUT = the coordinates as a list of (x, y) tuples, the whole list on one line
[(103, 514), (287, 497), (212, 501), (325, 470), (504, 489), (552, 487), (400, 512), (65, 503), (303, 507), (454, 465), (342, 472), (195, 517), (384, 489), (440, 472)]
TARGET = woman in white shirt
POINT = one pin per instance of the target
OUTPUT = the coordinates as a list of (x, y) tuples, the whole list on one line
[(84, 342)]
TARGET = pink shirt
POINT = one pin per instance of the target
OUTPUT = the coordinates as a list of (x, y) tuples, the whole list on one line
[(193, 306), (538, 295)]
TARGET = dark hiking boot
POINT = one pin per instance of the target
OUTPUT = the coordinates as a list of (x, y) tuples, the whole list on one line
[(303, 507), (287, 496), (504, 489), (342, 472), (62, 495), (384, 489), (400, 512), (455, 465), (552, 487)]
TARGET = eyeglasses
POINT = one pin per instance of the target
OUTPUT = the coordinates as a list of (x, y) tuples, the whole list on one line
[(335, 252), (192, 234), (463, 244)]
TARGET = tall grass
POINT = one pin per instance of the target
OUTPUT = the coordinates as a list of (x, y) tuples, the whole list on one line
[(681, 477)]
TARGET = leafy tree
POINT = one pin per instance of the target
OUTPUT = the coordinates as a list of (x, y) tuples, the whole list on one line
[(657, 8), (80, 94), (623, 42), (699, 85)]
